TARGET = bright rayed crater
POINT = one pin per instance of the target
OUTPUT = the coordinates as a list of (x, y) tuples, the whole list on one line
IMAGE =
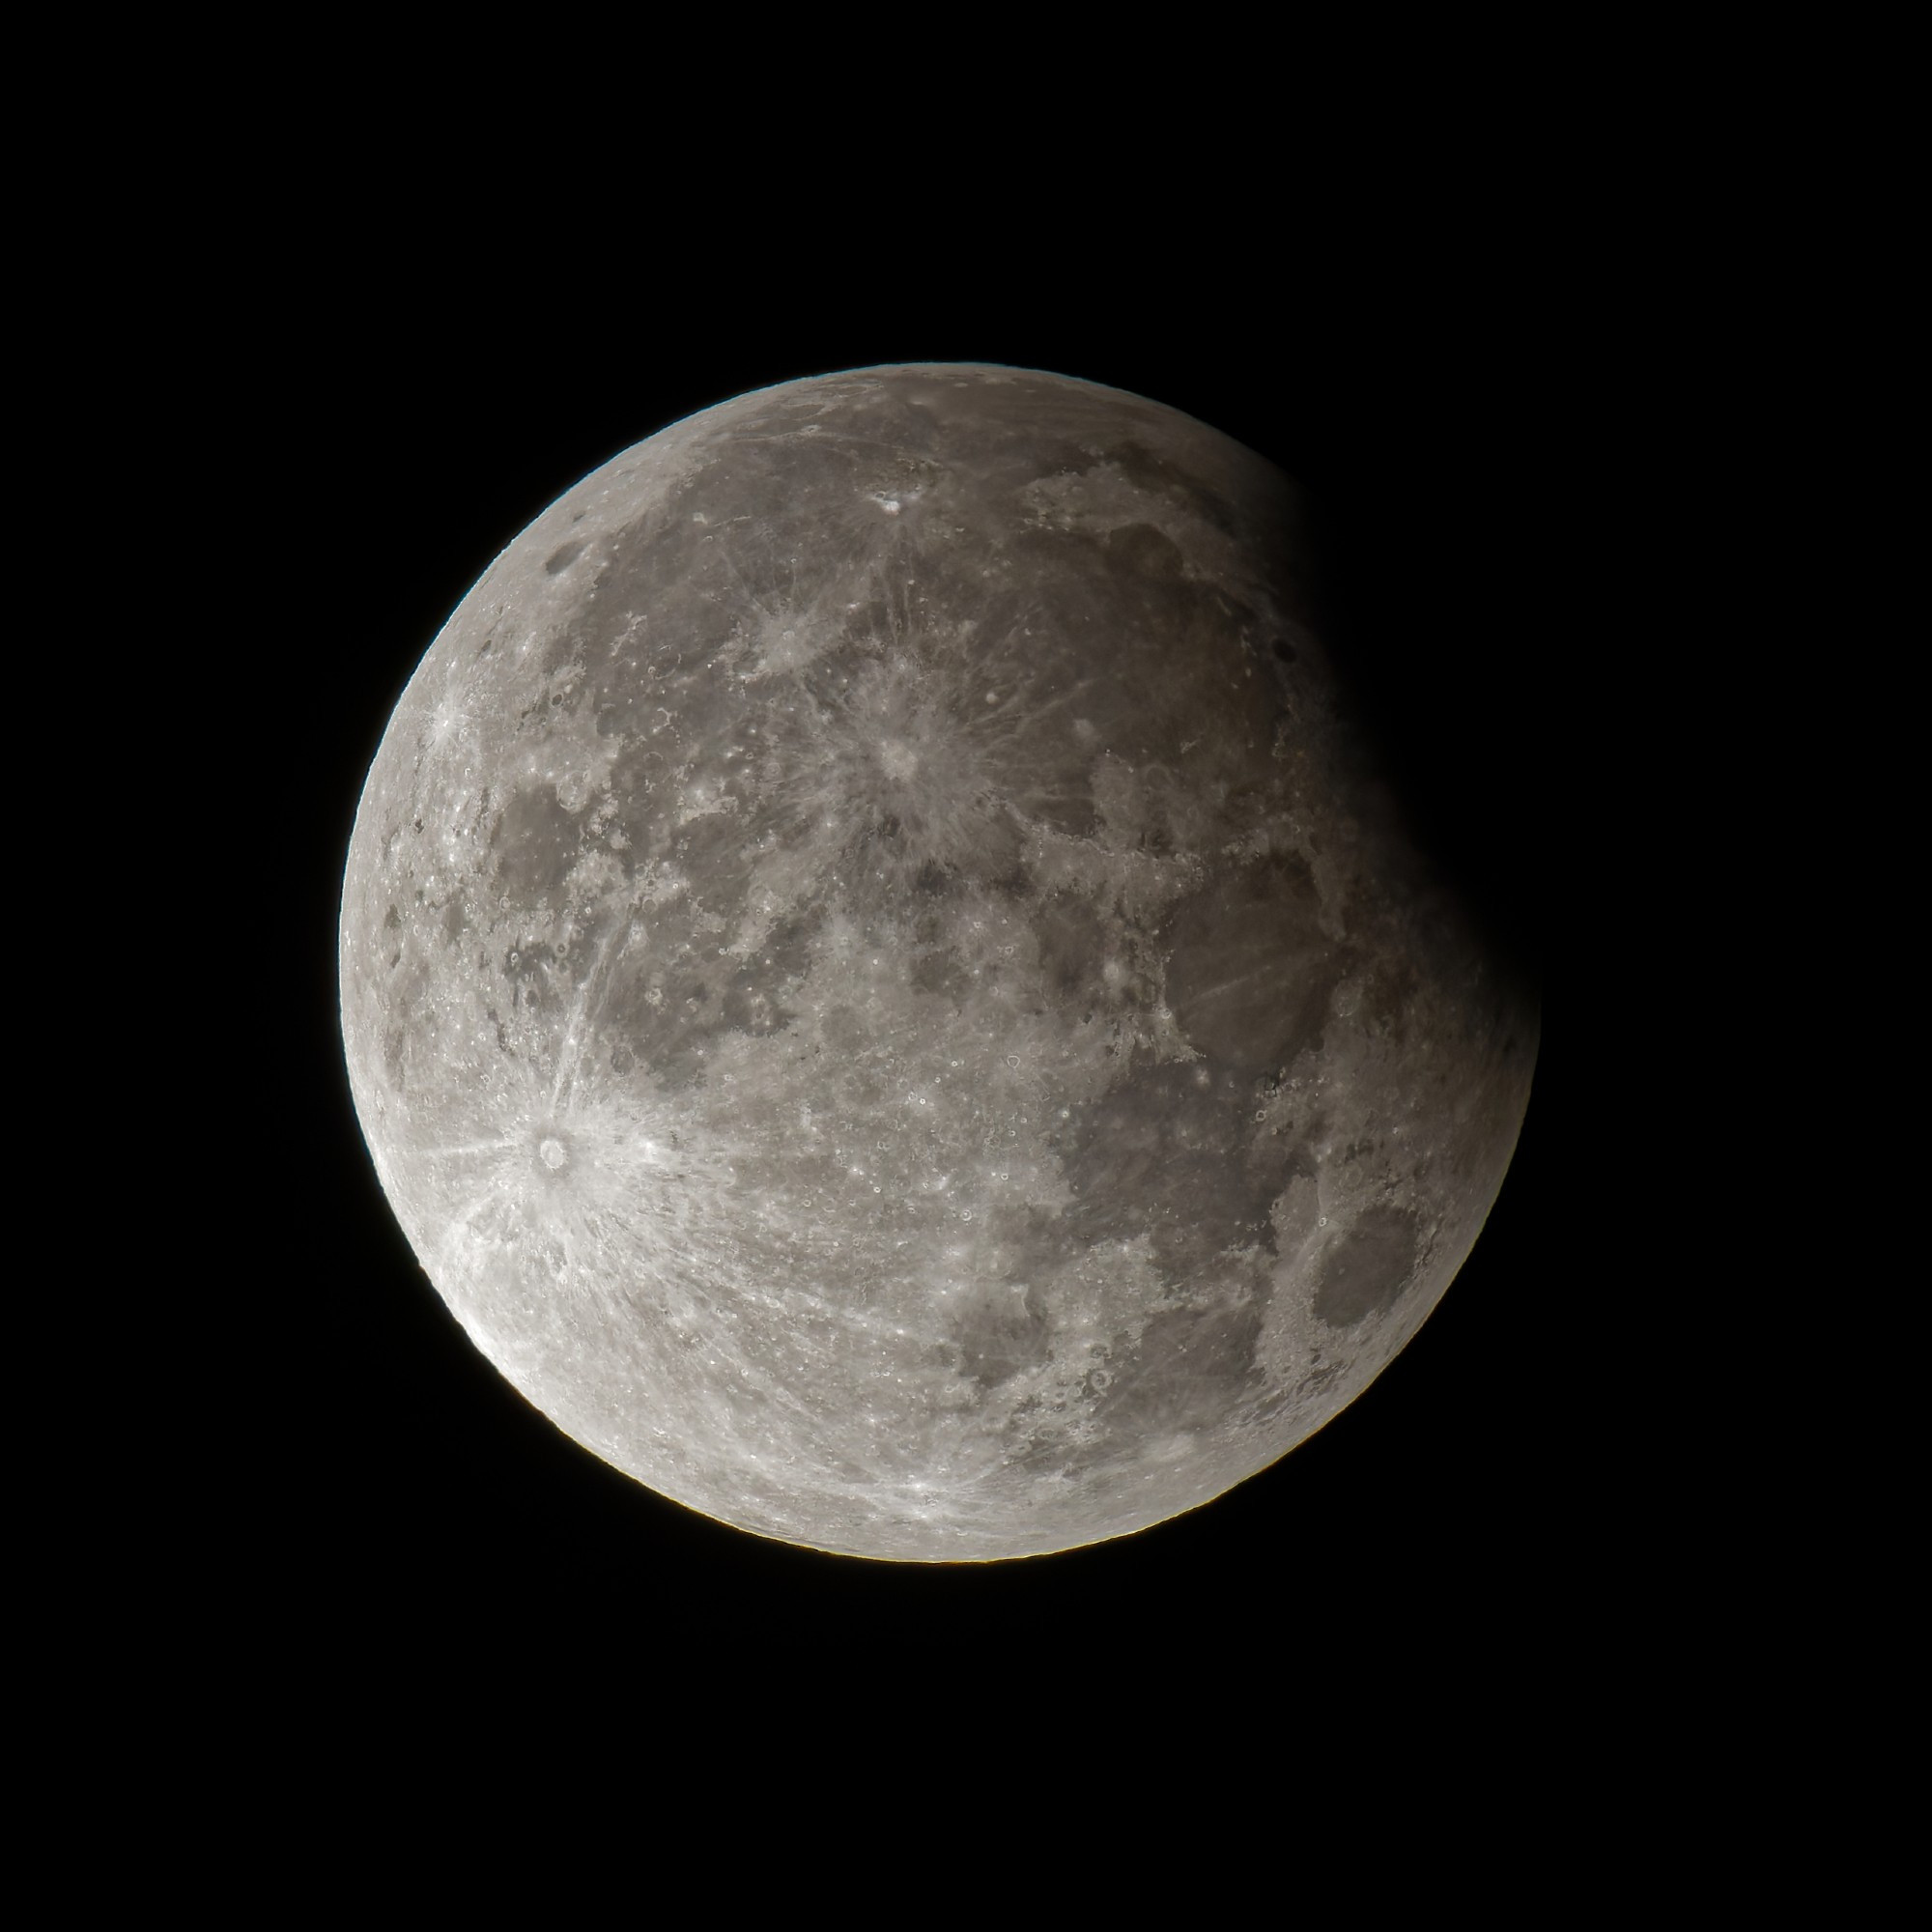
[(884, 996)]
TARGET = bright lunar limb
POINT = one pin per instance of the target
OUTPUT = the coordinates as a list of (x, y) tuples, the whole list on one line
[(884, 992)]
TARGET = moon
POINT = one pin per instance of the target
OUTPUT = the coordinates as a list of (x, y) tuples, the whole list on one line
[(886, 990)]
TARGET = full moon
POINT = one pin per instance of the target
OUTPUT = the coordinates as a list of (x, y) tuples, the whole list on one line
[(886, 989)]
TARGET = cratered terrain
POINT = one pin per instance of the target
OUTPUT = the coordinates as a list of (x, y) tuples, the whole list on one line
[(886, 990)]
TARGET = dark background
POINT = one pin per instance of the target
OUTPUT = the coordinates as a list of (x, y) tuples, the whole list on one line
[(400, 1492)]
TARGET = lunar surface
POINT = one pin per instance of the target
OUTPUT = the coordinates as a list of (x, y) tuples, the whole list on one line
[(884, 993)]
